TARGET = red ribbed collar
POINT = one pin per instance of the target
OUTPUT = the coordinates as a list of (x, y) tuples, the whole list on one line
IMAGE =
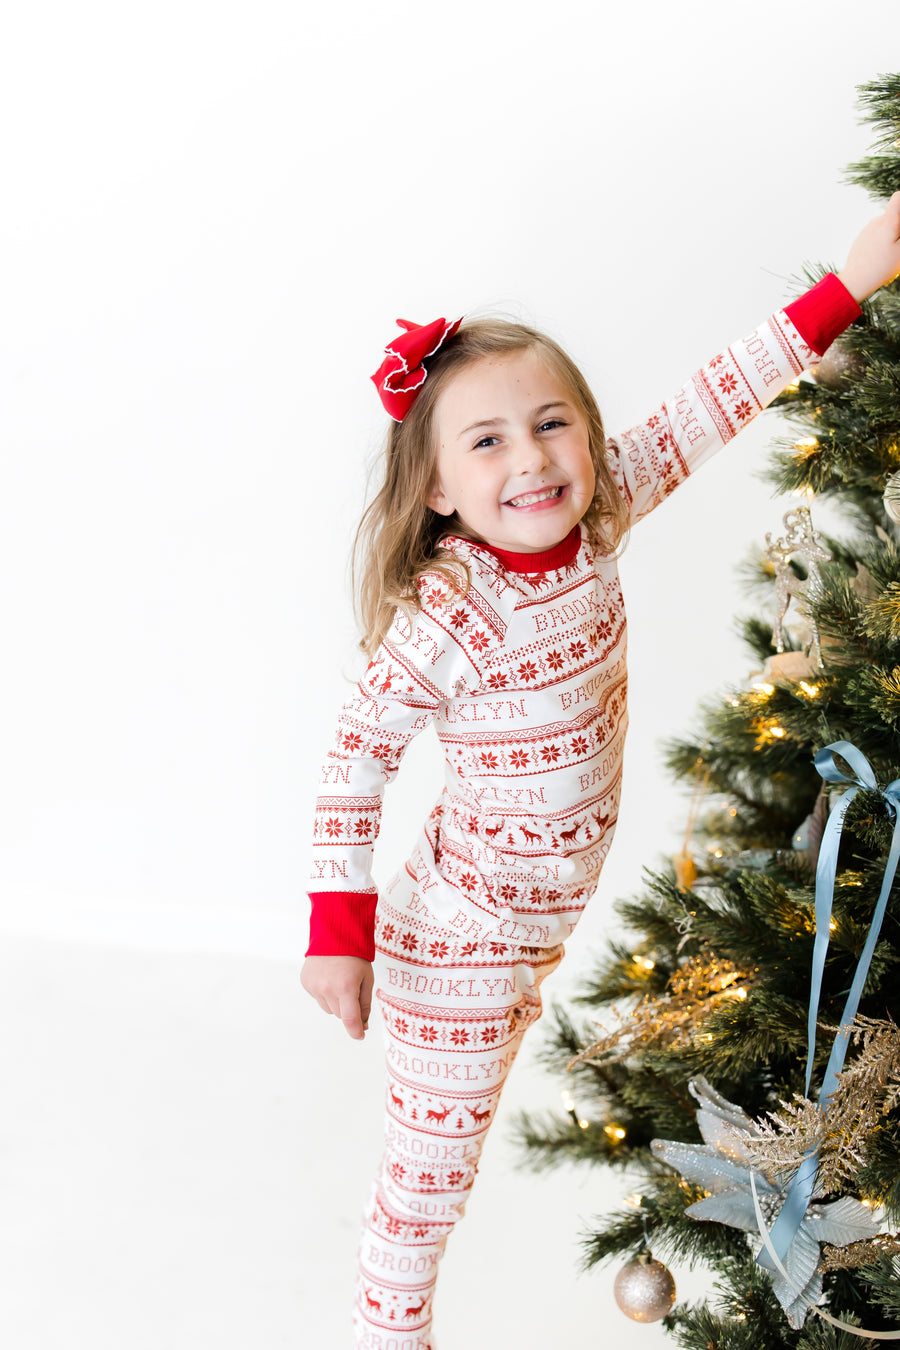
[(560, 555)]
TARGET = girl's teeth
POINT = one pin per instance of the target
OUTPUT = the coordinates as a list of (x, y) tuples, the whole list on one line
[(531, 497)]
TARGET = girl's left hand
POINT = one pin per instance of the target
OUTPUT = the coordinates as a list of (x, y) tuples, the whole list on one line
[(874, 257)]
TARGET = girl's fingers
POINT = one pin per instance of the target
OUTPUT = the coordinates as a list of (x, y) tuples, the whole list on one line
[(365, 998), (349, 1014)]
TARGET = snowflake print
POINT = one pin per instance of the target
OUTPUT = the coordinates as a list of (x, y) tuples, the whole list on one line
[(469, 882), (388, 932), (555, 660), (363, 827), (488, 760), (333, 827), (535, 895), (489, 1035), (352, 741), (716, 361), (578, 651), (604, 628), (653, 422), (401, 1026), (427, 1179), (439, 950), (469, 949), (497, 680), (429, 1034), (728, 383), (392, 1226), (397, 1171), (381, 751), (455, 1178), (459, 619), (508, 892), (518, 759), (419, 1232), (459, 1036), (742, 410), (497, 948), (479, 641), (528, 671), (409, 942), (579, 745), (550, 753)]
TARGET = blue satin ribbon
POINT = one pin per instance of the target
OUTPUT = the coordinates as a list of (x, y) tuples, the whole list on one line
[(800, 1190)]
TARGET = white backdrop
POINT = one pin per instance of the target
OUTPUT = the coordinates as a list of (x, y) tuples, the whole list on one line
[(212, 215)]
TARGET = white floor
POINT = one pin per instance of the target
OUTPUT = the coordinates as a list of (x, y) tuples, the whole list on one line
[(185, 1145)]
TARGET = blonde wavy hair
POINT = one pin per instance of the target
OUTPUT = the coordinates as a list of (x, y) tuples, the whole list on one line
[(399, 536)]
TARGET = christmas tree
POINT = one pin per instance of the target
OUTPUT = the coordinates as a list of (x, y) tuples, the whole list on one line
[(687, 1070)]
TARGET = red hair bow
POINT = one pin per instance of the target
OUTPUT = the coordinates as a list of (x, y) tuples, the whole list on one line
[(401, 374)]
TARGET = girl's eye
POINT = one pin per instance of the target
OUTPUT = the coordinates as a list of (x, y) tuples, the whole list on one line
[(553, 422), (485, 442)]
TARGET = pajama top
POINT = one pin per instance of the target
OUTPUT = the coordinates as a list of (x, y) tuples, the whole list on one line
[(524, 679)]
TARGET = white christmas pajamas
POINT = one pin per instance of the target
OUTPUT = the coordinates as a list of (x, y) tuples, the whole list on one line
[(524, 679)]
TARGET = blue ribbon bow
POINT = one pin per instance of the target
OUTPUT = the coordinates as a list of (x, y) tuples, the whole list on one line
[(800, 1190)]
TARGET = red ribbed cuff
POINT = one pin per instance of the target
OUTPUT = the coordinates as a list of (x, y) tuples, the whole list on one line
[(342, 923), (823, 313)]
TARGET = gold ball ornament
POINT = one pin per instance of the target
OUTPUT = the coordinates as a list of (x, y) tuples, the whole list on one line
[(644, 1289), (839, 368)]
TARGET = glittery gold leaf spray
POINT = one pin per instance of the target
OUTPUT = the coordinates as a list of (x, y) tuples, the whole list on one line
[(866, 1092), (673, 1017)]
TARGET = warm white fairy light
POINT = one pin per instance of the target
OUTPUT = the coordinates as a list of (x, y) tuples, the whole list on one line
[(764, 687), (811, 690), (643, 962), (615, 1133)]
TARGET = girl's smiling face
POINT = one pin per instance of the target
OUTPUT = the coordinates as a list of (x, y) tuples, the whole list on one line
[(514, 459)]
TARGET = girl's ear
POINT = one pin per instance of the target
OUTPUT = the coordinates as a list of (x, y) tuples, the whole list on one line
[(439, 501)]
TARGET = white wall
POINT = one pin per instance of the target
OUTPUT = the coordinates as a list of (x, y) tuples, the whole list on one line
[(212, 215)]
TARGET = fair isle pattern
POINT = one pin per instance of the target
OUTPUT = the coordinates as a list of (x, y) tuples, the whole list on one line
[(524, 679), (454, 1014)]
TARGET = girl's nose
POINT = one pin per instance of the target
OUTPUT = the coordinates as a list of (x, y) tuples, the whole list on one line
[(529, 455)]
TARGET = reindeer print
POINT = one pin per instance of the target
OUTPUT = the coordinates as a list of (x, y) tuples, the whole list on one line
[(479, 1117), (530, 836), (438, 1117), (569, 835)]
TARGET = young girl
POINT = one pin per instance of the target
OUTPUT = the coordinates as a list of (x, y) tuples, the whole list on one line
[(491, 606)]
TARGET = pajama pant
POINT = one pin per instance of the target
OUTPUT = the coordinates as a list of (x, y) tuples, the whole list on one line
[(454, 1015)]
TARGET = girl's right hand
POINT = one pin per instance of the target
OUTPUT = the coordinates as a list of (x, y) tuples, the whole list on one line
[(874, 257), (341, 985)]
